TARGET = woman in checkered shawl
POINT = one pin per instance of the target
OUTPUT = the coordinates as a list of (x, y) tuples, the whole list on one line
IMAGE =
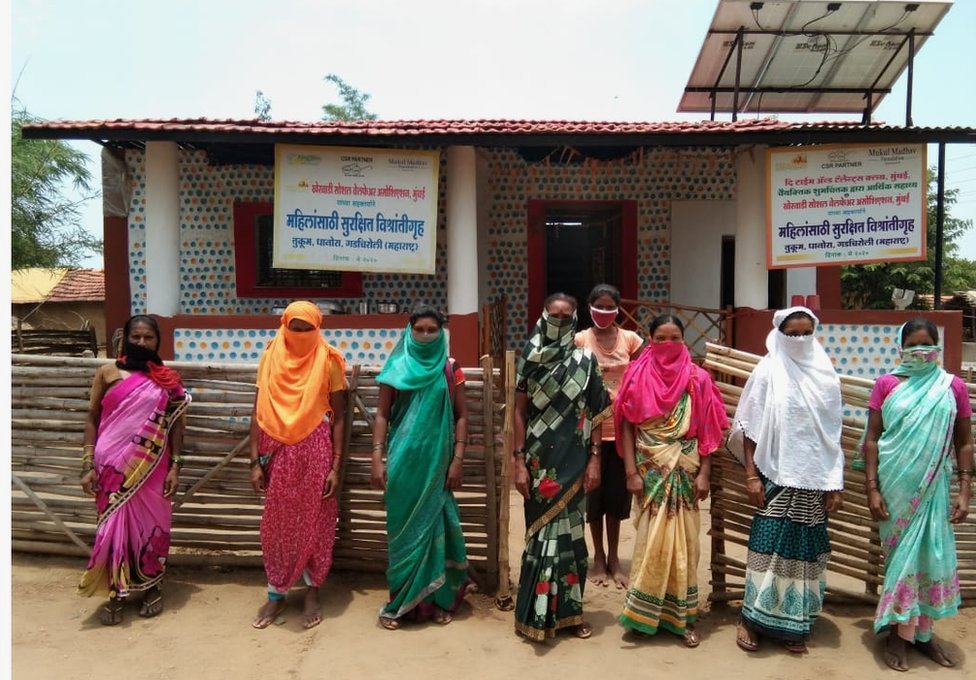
[(559, 404)]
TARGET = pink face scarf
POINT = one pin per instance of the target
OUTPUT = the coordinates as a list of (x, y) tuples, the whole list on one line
[(654, 383), (603, 318)]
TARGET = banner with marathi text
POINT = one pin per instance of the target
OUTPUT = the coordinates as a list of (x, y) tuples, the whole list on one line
[(833, 204), (363, 209)]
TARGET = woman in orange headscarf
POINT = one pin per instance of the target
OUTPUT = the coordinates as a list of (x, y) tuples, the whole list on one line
[(296, 445)]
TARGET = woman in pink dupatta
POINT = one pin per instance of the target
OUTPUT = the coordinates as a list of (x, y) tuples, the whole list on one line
[(131, 464), (669, 417)]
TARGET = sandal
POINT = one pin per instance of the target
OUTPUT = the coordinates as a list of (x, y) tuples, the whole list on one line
[(583, 630), (262, 621), (691, 638), (390, 623), (795, 646), (934, 651), (111, 613), (745, 638), (152, 604), (442, 617)]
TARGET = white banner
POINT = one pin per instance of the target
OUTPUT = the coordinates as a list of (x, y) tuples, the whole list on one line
[(345, 209), (834, 204)]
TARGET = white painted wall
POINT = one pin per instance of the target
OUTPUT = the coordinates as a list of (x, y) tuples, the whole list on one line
[(697, 228), (801, 281), (483, 168), (461, 211), (751, 275), (162, 228)]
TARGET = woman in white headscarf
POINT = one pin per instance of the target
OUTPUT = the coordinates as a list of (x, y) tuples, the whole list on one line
[(786, 433)]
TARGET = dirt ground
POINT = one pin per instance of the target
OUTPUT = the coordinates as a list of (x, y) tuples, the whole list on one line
[(205, 633)]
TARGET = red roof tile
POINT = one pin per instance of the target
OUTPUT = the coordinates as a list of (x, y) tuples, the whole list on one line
[(446, 128), (80, 285)]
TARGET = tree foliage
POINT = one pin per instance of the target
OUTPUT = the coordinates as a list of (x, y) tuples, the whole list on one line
[(262, 106), (353, 106), (869, 286), (45, 223)]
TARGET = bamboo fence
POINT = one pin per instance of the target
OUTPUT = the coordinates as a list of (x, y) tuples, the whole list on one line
[(856, 548), (216, 514)]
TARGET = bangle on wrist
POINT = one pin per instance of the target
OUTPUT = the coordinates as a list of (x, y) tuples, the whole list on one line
[(752, 477), (379, 447), (519, 452), (176, 460), (254, 462)]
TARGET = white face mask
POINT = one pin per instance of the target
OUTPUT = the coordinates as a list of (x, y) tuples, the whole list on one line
[(796, 346)]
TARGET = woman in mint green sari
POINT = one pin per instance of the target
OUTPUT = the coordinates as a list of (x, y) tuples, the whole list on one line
[(421, 423), (919, 415)]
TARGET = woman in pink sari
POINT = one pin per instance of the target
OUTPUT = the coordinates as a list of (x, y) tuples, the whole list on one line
[(131, 465)]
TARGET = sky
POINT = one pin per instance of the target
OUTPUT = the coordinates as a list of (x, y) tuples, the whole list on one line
[(426, 59)]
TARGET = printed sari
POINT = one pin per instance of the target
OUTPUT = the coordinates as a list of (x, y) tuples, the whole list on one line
[(428, 564), (566, 399), (921, 581), (663, 590), (131, 462)]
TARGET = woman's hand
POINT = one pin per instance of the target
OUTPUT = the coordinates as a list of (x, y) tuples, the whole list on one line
[(635, 483), (454, 474), (960, 509), (833, 500), (331, 484), (257, 479), (702, 486), (521, 477), (89, 482), (377, 475), (172, 481), (591, 477), (876, 505), (756, 491)]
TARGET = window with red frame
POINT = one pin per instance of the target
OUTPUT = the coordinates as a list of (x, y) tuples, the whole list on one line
[(253, 241)]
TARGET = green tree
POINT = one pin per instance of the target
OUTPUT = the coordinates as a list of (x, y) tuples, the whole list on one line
[(45, 223), (869, 286), (353, 106), (262, 106)]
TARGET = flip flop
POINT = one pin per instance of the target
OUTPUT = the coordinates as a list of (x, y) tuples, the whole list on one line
[(111, 613), (795, 647), (262, 622), (934, 651), (152, 605), (744, 643), (390, 623), (442, 617), (691, 638), (310, 622), (583, 630)]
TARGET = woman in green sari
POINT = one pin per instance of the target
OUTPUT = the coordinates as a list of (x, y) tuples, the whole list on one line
[(421, 423), (559, 403), (918, 415)]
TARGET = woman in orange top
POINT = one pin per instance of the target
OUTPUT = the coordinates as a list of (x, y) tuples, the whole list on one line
[(296, 445), (614, 349)]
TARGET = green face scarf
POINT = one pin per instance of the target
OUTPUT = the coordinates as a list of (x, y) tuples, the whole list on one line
[(414, 364), (919, 360)]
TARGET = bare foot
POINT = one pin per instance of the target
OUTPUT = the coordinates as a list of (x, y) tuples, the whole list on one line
[(895, 652), (934, 651), (618, 576), (268, 612), (598, 573), (312, 614)]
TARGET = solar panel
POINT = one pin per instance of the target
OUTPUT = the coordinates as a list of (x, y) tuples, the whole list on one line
[(805, 56)]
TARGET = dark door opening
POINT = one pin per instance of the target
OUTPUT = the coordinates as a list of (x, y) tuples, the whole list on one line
[(727, 286), (574, 245)]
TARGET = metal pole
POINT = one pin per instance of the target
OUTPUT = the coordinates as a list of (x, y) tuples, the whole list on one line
[(738, 75), (939, 225), (911, 78)]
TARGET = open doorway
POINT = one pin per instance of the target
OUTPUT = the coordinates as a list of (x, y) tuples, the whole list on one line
[(574, 245)]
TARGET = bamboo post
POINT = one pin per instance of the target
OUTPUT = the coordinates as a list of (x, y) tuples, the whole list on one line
[(351, 401), (503, 599), (488, 408)]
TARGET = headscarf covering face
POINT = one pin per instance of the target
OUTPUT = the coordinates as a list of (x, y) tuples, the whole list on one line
[(293, 377), (918, 359), (140, 358), (414, 364), (791, 408), (654, 383)]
